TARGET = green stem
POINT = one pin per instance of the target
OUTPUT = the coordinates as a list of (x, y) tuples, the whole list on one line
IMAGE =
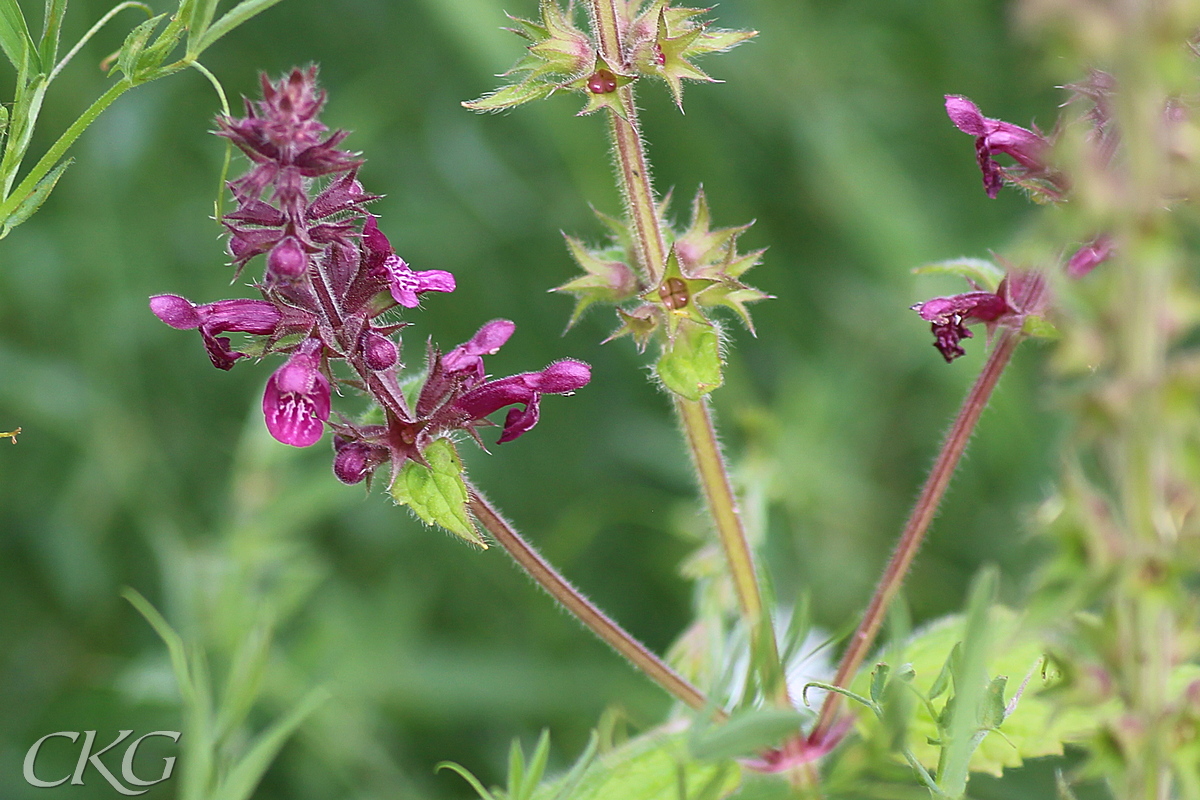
[(638, 191), (918, 523), (625, 130), (60, 147), (584, 610), (706, 452)]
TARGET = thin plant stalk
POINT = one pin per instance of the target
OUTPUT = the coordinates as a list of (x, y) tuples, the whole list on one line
[(636, 187), (584, 610), (706, 451), (918, 523)]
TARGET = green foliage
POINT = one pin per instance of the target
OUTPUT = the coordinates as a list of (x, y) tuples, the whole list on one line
[(654, 766), (980, 272), (209, 773), (437, 493), (1008, 717), (745, 734)]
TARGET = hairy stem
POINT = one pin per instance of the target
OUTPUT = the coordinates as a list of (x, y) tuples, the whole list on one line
[(638, 192), (625, 131), (706, 451), (584, 610), (918, 523)]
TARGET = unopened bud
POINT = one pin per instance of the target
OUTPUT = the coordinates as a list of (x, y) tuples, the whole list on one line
[(287, 259), (379, 352), (355, 461)]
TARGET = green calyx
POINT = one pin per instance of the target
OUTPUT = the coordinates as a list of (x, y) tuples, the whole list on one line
[(664, 38), (559, 55)]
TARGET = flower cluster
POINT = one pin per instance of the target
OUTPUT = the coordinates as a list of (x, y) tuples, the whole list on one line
[(658, 42), (331, 278), (1033, 172)]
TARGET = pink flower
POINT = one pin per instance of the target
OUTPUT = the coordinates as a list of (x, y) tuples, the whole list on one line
[(1089, 256), (466, 359), (562, 377), (245, 316), (296, 402), (992, 136), (949, 317), (406, 283)]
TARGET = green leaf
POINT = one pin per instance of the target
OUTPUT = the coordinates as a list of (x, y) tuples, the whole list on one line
[(745, 733), (645, 768), (511, 96), (14, 35), (1037, 727), (199, 18), (173, 641), (135, 43), (1039, 328), (244, 679), (48, 46), (243, 779), (879, 680), (690, 365), (3, 121), (234, 17), (34, 200), (963, 732), (437, 493), (466, 775), (979, 271)]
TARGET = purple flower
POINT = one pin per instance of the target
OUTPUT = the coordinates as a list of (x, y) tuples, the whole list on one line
[(244, 316), (949, 317), (466, 359), (562, 377), (406, 283), (1089, 256), (296, 402), (992, 136)]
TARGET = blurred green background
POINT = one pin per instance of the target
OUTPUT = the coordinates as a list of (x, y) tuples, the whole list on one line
[(140, 465)]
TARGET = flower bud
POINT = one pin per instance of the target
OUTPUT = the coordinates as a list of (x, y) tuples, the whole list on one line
[(355, 461), (379, 352), (287, 260)]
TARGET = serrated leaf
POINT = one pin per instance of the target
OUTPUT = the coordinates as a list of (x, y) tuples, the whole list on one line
[(690, 365), (34, 200), (745, 733), (437, 493), (979, 271), (14, 35), (512, 96), (1037, 727)]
